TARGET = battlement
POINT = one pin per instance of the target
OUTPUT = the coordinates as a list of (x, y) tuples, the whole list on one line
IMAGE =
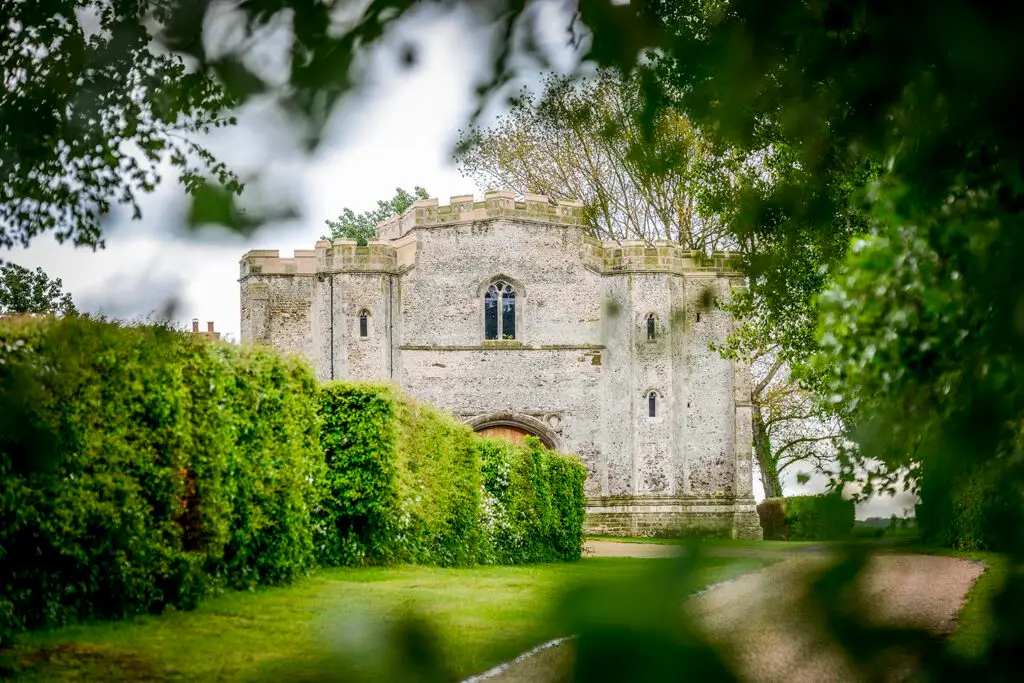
[(347, 256), (397, 246), (269, 262), (660, 256), (496, 204)]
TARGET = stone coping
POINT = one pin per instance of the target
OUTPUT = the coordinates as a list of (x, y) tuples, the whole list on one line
[(503, 346), (659, 499), (495, 204)]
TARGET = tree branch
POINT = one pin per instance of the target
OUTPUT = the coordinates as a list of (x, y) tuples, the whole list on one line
[(768, 378), (797, 442)]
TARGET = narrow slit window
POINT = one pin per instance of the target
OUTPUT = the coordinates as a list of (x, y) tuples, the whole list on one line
[(650, 326), (364, 323), (500, 311), (652, 404)]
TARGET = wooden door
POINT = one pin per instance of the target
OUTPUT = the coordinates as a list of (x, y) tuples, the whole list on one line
[(513, 434)]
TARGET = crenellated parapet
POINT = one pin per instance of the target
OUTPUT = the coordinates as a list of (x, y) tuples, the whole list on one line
[(660, 256), (396, 248), (346, 256), (627, 256), (426, 213), (270, 262), (663, 256)]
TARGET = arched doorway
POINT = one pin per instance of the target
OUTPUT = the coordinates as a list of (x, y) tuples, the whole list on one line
[(514, 427), (506, 432)]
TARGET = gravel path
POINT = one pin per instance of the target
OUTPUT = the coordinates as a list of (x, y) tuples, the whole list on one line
[(613, 549), (776, 647), (626, 549), (758, 611)]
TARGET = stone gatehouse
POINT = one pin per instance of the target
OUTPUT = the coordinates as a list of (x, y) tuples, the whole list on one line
[(509, 315)]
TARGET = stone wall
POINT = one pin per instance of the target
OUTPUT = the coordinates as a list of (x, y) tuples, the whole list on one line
[(581, 366), (656, 516), (655, 447), (557, 298), (618, 403), (710, 421), (276, 300)]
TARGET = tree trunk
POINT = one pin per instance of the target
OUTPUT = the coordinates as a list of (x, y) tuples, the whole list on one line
[(763, 450)]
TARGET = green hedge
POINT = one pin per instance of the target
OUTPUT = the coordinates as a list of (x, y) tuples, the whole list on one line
[(408, 483), (533, 502), (972, 508), (145, 468), (825, 517), (141, 467), (403, 481)]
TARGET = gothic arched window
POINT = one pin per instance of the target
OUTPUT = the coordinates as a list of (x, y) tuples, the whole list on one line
[(500, 311), (652, 404), (364, 323), (651, 322)]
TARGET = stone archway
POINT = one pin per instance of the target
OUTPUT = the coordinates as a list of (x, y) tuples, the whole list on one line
[(507, 432), (514, 427)]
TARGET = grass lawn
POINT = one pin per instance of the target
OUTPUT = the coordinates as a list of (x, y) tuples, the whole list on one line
[(974, 623), (482, 616)]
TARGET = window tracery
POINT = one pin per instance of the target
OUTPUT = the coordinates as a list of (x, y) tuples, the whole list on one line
[(500, 311)]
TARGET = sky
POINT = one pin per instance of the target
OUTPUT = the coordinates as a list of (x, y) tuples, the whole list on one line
[(398, 131)]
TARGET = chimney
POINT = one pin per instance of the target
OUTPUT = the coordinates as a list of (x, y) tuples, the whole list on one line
[(195, 324), (209, 326)]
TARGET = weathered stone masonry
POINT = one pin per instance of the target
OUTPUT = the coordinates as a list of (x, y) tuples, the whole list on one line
[(598, 332)]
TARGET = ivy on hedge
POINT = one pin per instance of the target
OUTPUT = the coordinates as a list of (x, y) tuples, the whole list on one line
[(408, 483), (533, 502), (141, 467)]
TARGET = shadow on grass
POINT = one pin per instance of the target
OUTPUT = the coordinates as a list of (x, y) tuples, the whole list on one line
[(81, 662)]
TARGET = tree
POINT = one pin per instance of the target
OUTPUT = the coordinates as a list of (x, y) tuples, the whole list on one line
[(26, 291), (790, 428), (920, 337), (788, 249), (89, 110), (792, 420), (919, 341), (363, 227), (580, 139)]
